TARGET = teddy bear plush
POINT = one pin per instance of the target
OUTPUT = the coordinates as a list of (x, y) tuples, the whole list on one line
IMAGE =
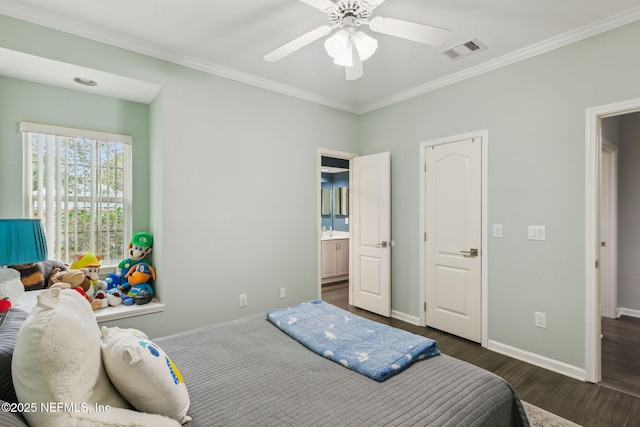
[(37, 275), (78, 281)]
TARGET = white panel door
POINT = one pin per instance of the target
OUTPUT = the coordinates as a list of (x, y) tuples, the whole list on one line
[(607, 271), (371, 232), (454, 237)]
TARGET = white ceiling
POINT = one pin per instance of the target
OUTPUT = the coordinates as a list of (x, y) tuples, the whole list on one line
[(230, 37)]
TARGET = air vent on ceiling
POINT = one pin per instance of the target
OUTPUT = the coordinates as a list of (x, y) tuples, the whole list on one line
[(464, 49)]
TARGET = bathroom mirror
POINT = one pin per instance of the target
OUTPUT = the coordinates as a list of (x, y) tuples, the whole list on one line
[(341, 201), (326, 202)]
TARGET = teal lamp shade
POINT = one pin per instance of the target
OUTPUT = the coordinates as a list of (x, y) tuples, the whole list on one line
[(22, 241)]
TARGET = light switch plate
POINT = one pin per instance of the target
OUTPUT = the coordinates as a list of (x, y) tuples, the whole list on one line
[(497, 230), (537, 232), (540, 320)]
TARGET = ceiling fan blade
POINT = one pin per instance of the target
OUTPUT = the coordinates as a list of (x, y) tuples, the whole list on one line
[(356, 70), (373, 3), (297, 43), (420, 33), (321, 5)]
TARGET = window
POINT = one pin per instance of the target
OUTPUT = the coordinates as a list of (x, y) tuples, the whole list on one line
[(78, 183)]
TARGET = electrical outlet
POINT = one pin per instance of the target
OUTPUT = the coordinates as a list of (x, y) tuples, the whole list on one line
[(243, 300), (283, 292), (540, 320)]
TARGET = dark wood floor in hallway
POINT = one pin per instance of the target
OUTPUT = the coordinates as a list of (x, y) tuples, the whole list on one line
[(621, 354), (587, 404)]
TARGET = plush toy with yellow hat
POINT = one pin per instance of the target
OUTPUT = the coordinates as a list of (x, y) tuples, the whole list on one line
[(90, 262), (140, 246)]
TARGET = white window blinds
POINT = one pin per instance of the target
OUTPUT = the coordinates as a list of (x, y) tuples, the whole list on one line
[(78, 183)]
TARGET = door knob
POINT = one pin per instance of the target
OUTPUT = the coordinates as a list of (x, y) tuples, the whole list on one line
[(470, 253)]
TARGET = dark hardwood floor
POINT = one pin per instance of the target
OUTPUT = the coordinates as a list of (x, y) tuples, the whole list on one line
[(587, 404), (621, 354)]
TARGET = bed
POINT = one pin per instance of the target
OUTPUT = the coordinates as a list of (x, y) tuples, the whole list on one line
[(247, 372)]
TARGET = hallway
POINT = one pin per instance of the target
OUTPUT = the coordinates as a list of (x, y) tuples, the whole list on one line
[(620, 350)]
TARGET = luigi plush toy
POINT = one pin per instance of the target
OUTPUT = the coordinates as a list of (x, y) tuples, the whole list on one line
[(140, 246)]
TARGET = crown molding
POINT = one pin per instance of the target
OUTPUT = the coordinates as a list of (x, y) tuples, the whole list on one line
[(27, 14), (54, 22), (562, 40), (260, 82)]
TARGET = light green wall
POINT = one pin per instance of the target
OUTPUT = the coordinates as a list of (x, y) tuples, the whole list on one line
[(239, 186), (21, 100), (534, 112)]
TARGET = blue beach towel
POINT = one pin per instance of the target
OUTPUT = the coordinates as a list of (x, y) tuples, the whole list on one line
[(367, 347)]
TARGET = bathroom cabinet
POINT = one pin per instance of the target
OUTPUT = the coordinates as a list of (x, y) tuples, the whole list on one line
[(335, 260)]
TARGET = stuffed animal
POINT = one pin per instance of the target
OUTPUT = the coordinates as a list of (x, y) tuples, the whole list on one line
[(113, 281), (140, 246), (112, 297), (91, 262), (37, 275), (78, 281), (138, 290)]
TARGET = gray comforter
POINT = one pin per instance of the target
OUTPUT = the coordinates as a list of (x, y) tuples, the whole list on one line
[(249, 373)]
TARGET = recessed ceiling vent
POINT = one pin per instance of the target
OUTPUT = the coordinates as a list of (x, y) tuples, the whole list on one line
[(465, 49)]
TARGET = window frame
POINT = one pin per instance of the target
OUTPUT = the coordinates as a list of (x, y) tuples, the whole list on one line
[(28, 128)]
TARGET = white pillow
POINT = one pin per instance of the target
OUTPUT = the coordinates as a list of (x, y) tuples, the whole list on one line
[(144, 374), (57, 368)]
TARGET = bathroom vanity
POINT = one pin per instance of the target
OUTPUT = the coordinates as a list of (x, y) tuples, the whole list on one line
[(335, 257)]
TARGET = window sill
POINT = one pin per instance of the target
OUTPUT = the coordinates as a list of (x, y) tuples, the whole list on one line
[(29, 300)]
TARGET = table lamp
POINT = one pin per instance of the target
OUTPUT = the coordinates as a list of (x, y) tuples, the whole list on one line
[(22, 241)]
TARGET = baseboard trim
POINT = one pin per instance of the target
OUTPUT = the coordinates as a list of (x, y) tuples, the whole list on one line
[(523, 355), (621, 311), (406, 317), (537, 360)]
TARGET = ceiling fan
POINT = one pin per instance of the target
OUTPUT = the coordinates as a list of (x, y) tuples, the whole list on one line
[(349, 46)]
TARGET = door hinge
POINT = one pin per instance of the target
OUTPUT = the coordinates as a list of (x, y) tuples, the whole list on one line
[(425, 167), (425, 306), (425, 236), (597, 263)]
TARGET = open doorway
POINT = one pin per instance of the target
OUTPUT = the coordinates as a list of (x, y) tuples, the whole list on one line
[(334, 232), (619, 249), (612, 246), (369, 236)]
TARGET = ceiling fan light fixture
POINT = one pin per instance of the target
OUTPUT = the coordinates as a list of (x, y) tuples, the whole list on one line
[(340, 47), (346, 59), (337, 45), (348, 16), (365, 44)]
